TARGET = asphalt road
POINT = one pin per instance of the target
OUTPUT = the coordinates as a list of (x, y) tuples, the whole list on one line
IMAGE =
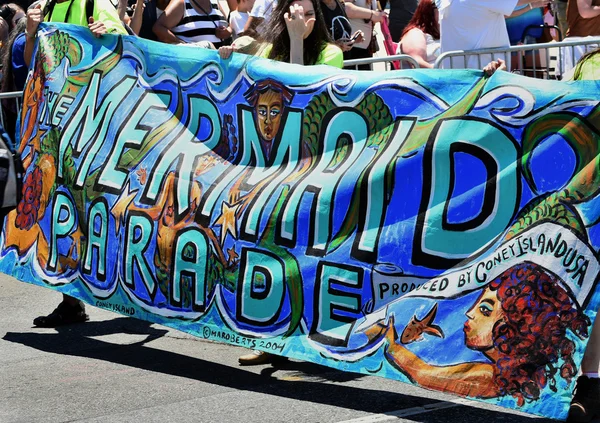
[(119, 369)]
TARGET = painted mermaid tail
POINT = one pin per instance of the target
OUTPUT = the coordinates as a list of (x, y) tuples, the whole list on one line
[(582, 135)]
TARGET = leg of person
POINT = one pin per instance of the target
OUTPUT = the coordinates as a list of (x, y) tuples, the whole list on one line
[(586, 402), (256, 358), (70, 310)]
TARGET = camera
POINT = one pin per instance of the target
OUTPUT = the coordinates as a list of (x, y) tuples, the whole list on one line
[(129, 11)]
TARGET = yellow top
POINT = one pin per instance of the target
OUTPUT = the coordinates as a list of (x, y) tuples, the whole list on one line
[(331, 55), (104, 12)]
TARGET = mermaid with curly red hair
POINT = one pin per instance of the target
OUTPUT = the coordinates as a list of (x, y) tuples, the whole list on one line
[(520, 323)]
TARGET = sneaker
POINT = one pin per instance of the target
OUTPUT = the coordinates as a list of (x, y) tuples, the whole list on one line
[(256, 358), (64, 314), (586, 402)]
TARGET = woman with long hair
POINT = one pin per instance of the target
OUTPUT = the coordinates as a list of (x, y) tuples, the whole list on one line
[(520, 324), (421, 37), (296, 34)]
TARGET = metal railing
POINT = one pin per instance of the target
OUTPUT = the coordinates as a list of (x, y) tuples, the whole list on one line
[(17, 96), (387, 60), (14, 94), (544, 60)]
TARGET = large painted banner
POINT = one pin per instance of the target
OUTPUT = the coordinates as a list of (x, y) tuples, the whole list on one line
[(435, 227)]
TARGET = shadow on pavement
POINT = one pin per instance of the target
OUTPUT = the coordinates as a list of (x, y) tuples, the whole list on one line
[(76, 340)]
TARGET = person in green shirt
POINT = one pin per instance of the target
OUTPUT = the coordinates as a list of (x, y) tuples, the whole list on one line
[(296, 34), (588, 67), (104, 19)]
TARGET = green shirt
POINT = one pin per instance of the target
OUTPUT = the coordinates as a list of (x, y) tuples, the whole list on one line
[(104, 12), (589, 69), (331, 55)]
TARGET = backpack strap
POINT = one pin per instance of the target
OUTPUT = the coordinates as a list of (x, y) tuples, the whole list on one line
[(89, 8)]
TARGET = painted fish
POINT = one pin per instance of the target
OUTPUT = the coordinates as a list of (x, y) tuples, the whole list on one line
[(415, 328)]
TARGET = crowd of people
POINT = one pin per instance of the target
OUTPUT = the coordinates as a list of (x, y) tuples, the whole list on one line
[(422, 29), (305, 32)]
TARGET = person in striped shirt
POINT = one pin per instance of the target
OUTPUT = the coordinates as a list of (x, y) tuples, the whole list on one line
[(193, 21)]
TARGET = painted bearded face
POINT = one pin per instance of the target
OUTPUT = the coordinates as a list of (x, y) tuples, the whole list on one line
[(481, 320), (268, 113)]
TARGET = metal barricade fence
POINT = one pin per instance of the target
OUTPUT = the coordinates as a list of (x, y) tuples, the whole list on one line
[(18, 98), (544, 60), (405, 60)]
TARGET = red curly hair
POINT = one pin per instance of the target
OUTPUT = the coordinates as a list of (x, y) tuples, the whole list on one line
[(424, 19), (532, 337)]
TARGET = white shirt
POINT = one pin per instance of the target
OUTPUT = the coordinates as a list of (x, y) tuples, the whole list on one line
[(471, 25), (238, 20), (263, 9)]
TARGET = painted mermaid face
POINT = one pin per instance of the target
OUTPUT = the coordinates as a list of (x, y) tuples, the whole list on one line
[(268, 109), (482, 317)]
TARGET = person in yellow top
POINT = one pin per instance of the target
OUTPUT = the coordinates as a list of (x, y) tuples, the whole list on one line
[(102, 19), (296, 34)]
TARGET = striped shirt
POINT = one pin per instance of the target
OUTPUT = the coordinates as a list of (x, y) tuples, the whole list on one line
[(195, 27)]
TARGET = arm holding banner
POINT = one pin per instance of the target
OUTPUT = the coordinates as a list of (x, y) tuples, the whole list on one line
[(493, 66), (97, 27), (34, 17)]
